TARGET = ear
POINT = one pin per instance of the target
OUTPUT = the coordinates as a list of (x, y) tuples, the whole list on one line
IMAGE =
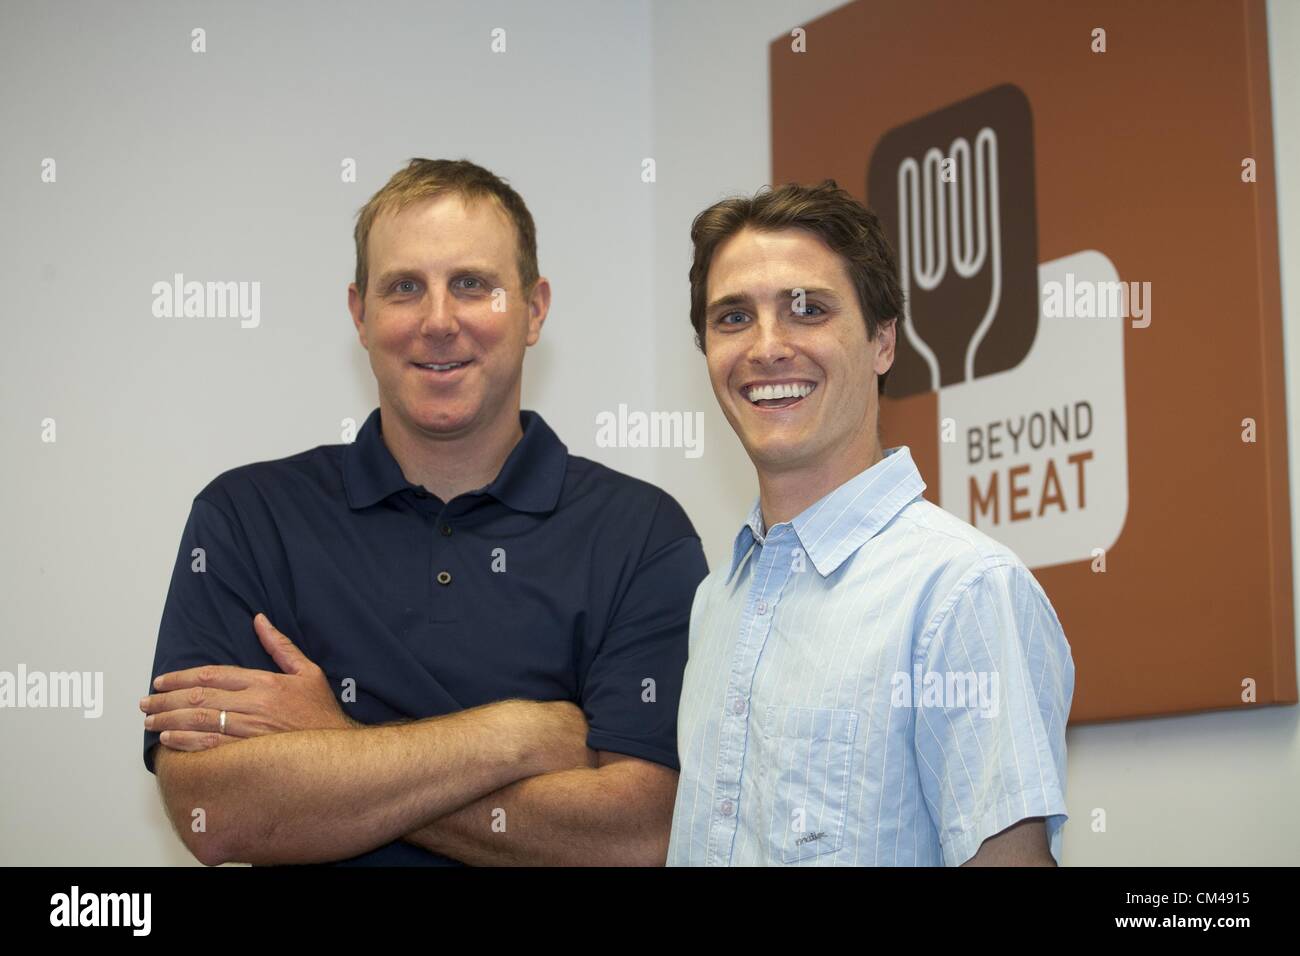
[(539, 305), (886, 339), (357, 306)]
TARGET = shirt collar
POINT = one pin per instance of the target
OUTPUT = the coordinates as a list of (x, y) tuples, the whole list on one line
[(831, 529), (530, 479)]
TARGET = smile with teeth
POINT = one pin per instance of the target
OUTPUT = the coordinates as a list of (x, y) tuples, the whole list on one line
[(444, 367), (782, 395)]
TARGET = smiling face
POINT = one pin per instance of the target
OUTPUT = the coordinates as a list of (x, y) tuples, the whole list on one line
[(448, 365), (797, 386)]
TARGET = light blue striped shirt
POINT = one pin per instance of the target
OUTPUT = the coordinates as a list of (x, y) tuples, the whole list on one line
[(875, 682)]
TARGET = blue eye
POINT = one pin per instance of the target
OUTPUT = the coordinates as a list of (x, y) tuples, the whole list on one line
[(722, 320), (807, 310), (397, 286), (471, 288)]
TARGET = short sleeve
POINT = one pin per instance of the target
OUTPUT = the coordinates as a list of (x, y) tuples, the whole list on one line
[(633, 685), (994, 682), (214, 594)]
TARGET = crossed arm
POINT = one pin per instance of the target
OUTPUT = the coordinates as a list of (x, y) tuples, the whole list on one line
[(509, 782), (615, 814)]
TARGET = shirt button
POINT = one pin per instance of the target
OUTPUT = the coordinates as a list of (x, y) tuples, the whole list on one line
[(727, 808), (738, 707), (446, 531), (762, 607), (444, 577)]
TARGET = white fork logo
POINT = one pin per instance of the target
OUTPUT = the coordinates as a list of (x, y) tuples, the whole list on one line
[(921, 219)]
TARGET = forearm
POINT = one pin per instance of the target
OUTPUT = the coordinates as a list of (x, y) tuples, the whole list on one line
[(616, 815), (323, 795)]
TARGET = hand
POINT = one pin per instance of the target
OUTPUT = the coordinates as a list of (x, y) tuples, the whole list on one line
[(189, 703)]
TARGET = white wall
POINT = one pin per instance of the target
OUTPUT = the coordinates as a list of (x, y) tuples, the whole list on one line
[(225, 166)]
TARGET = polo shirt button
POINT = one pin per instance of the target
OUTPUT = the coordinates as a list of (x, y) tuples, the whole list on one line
[(444, 577), (727, 807), (738, 707), (446, 531), (762, 607)]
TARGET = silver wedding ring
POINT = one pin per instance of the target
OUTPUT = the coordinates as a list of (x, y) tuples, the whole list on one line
[(223, 722)]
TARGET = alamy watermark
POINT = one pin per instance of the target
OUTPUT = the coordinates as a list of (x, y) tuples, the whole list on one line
[(948, 690), (82, 690), (1085, 299), (179, 299), (633, 429), (76, 908)]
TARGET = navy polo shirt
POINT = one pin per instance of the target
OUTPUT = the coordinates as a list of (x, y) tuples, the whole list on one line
[(560, 580)]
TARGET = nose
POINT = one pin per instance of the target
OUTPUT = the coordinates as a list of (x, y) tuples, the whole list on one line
[(439, 320), (769, 344)]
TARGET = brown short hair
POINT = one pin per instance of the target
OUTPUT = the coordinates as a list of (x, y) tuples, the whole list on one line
[(428, 178), (829, 212)]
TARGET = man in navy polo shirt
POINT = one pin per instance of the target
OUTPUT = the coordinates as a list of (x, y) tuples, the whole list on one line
[(468, 644)]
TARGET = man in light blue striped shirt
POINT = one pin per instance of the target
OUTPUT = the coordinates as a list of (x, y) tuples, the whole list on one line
[(871, 680)]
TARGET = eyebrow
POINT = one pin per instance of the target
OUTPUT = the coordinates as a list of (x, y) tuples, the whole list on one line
[(813, 290), (389, 276), (744, 298), (736, 298)]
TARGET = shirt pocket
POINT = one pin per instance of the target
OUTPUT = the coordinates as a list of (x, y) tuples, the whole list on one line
[(808, 774)]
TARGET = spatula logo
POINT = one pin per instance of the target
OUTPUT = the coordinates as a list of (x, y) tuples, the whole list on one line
[(955, 191)]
